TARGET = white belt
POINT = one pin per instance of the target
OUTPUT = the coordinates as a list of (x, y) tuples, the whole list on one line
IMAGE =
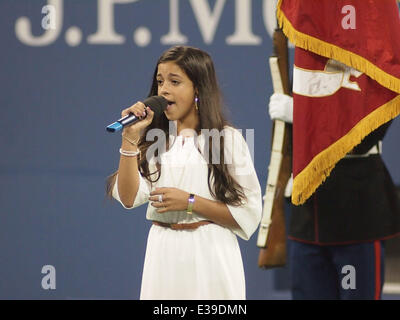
[(376, 149)]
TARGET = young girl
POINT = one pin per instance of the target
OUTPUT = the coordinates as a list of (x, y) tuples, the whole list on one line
[(202, 191)]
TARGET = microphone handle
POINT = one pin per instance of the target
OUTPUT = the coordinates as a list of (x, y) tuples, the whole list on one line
[(124, 121), (157, 103)]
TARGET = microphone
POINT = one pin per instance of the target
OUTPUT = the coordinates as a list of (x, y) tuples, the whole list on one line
[(156, 103)]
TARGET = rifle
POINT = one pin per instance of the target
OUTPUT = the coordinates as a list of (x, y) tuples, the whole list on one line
[(272, 233)]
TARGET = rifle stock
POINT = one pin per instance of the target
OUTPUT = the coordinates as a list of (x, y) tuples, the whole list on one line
[(272, 233)]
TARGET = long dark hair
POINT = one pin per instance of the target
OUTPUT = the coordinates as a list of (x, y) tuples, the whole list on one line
[(199, 68)]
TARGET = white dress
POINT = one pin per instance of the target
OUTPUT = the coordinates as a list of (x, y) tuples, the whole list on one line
[(204, 263)]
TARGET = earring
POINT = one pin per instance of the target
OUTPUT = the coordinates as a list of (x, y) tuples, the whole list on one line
[(195, 103)]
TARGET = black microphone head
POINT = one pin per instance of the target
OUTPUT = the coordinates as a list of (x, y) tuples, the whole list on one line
[(157, 104)]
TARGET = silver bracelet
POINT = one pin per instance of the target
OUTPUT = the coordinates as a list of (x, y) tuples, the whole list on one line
[(129, 153), (134, 143)]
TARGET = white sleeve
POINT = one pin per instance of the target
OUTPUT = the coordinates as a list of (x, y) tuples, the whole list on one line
[(142, 195), (241, 167)]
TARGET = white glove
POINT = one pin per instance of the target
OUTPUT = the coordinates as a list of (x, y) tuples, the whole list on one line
[(281, 107), (289, 187)]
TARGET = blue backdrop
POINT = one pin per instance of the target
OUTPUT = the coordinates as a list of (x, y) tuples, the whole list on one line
[(66, 73)]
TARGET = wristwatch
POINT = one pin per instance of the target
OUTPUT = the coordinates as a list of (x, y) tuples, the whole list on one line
[(190, 204)]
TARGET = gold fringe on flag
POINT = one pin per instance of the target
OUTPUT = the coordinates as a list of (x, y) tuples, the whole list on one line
[(316, 172), (329, 50), (309, 179)]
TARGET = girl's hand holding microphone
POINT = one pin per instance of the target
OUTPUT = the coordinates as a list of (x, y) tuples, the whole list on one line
[(132, 132), (134, 120), (139, 116)]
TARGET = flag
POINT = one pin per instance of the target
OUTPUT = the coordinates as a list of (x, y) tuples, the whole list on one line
[(346, 80)]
